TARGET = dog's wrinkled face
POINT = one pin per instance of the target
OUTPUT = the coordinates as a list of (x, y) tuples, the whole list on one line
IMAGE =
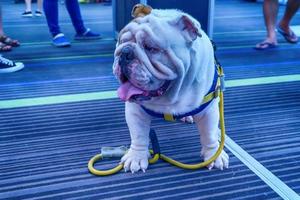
[(141, 62), (145, 60)]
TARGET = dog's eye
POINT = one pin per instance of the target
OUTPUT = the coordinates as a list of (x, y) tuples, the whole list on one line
[(151, 49)]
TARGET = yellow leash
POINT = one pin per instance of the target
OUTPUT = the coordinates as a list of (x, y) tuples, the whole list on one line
[(166, 158)]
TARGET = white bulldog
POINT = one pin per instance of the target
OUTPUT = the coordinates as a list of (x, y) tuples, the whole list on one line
[(165, 64)]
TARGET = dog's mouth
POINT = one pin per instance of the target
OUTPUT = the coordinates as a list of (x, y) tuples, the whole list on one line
[(130, 92), (137, 83)]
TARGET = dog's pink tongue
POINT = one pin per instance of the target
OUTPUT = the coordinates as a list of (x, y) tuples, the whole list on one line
[(127, 90)]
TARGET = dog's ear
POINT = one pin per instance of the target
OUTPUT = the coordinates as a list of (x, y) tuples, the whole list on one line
[(189, 27), (140, 10)]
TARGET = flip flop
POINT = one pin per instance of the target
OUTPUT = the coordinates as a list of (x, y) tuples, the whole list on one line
[(8, 41), (5, 47), (265, 46), (290, 37)]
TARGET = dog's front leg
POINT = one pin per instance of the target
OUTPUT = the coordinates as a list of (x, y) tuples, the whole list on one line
[(138, 123), (208, 126)]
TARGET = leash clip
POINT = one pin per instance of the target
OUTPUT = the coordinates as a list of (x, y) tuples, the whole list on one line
[(154, 142), (222, 83), (113, 152), (217, 92)]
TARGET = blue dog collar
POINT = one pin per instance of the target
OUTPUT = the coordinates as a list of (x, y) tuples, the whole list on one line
[(214, 91)]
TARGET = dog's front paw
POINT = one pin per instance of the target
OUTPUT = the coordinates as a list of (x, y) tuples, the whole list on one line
[(220, 163), (135, 160)]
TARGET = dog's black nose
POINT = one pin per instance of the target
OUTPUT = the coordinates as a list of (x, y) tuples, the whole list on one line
[(126, 56)]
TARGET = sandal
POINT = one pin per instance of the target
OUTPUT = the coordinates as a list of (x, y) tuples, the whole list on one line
[(265, 45), (8, 41), (5, 47), (290, 37)]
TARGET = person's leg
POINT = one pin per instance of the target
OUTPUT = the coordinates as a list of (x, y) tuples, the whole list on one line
[(1, 26), (27, 12), (291, 9), (75, 14), (284, 24), (28, 5), (39, 5), (270, 10), (38, 12), (51, 13), (3, 46)]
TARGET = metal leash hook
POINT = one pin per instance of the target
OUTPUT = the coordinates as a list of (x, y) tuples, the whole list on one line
[(107, 152), (118, 152)]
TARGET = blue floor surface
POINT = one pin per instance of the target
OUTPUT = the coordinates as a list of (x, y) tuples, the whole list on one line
[(44, 149)]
